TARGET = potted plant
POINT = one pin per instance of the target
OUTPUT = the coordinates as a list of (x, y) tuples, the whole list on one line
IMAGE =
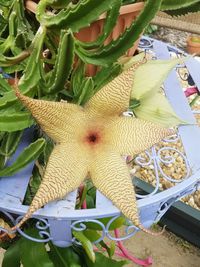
[(193, 45), (47, 62)]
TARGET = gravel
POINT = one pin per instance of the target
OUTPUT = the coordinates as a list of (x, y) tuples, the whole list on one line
[(176, 170), (171, 36)]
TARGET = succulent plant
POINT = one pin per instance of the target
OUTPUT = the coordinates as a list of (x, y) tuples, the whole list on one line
[(40, 52), (179, 7), (39, 49)]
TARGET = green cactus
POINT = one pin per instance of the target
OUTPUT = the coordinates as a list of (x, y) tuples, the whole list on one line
[(41, 51), (177, 4), (179, 7), (42, 46)]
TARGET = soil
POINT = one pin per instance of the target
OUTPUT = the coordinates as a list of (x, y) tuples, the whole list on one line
[(171, 36), (166, 250)]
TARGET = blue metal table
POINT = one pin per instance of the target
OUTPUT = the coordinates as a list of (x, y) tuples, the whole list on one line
[(59, 218)]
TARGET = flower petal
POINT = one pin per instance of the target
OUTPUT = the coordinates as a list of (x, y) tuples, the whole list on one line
[(154, 73), (66, 169), (55, 118), (113, 98), (111, 177), (132, 136), (156, 108)]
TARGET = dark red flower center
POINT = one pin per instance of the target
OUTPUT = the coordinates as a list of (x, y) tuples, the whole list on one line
[(93, 138)]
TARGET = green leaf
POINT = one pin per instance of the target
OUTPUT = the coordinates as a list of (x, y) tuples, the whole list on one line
[(15, 121), (110, 21), (14, 68), (59, 3), (112, 248), (105, 75), (64, 257), (29, 154), (2, 161), (33, 186), (4, 85), (47, 150), (6, 2), (87, 91), (12, 256), (83, 197), (93, 236), (134, 103), (32, 73), (176, 4), (102, 260), (9, 42), (127, 2), (8, 99), (117, 223), (90, 202), (110, 53), (185, 10), (87, 245), (34, 253), (64, 63), (78, 75), (13, 60), (10, 143), (3, 24)]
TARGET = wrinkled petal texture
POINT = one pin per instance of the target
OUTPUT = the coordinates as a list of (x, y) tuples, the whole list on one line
[(114, 97), (91, 140), (132, 136), (110, 175), (57, 119), (66, 169)]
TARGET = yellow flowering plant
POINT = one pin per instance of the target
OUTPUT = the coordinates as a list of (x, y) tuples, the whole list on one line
[(81, 115)]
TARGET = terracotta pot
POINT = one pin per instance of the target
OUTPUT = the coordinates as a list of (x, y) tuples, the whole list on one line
[(193, 45), (127, 15)]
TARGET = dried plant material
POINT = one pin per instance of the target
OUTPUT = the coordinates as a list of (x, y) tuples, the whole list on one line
[(6, 226)]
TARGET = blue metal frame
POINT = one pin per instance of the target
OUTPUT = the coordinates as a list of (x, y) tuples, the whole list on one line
[(60, 218)]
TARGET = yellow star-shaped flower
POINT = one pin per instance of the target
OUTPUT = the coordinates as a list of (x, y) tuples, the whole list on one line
[(90, 141)]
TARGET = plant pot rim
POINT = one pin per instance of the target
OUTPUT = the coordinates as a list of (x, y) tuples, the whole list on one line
[(127, 9), (192, 43), (135, 7)]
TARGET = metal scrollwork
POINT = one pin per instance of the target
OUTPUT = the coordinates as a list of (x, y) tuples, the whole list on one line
[(150, 160), (172, 139), (163, 207), (81, 225), (157, 158), (170, 159), (42, 225), (130, 230), (146, 43), (11, 219)]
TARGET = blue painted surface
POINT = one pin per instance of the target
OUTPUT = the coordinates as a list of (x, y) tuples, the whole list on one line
[(62, 214), (16, 184), (193, 67), (190, 134)]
